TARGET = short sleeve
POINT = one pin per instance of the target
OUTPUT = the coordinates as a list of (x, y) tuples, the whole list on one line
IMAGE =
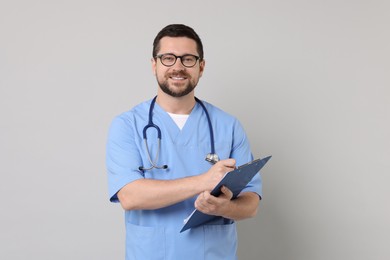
[(122, 156), (242, 153)]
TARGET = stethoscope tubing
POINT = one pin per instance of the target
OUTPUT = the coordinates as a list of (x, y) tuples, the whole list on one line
[(210, 125), (153, 163)]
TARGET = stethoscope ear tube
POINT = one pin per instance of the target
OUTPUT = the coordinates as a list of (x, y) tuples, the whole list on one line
[(153, 163), (151, 124)]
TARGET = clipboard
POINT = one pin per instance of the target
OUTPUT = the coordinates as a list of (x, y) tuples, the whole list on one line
[(236, 181)]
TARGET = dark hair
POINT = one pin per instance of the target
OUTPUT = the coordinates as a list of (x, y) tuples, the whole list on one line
[(177, 30)]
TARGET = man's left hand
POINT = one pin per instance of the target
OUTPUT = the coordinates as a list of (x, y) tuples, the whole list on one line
[(211, 205)]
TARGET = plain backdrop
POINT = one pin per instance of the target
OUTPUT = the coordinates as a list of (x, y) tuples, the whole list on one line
[(308, 79)]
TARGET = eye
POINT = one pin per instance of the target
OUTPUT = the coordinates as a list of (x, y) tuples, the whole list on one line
[(168, 58), (188, 58)]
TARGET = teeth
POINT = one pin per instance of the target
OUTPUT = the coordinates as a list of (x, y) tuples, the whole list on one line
[(177, 78)]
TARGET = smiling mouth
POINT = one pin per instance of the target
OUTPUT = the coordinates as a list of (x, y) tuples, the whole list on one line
[(178, 78)]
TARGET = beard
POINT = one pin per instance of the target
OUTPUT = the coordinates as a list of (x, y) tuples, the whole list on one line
[(176, 92)]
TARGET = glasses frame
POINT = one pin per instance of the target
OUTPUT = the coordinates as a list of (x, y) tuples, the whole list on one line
[(176, 56)]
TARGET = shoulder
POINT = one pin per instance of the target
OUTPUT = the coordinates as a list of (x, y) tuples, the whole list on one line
[(129, 120), (219, 114), (224, 122), (137, 112)]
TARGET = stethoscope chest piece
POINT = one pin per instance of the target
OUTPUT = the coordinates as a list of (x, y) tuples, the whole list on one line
[(212, 158)]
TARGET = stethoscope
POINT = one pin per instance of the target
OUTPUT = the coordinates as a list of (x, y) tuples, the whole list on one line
[(211, 157)]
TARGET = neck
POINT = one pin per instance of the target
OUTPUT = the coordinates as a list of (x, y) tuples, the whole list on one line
[(176, 105)]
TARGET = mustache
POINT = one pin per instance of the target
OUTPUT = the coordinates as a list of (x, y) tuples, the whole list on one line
[(179, 74)]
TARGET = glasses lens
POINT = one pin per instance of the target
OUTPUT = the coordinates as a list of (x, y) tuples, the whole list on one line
[(168, 59), (188, 60)]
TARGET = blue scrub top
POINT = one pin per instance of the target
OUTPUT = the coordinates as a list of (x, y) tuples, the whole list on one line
[(155, 234)]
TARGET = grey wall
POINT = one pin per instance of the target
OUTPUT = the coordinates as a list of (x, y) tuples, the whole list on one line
[(309, 80)]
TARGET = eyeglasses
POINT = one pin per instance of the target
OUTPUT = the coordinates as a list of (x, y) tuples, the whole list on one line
[(169, 59)]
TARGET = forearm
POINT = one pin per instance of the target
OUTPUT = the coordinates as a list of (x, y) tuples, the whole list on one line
[(244, 206), (154, 194)]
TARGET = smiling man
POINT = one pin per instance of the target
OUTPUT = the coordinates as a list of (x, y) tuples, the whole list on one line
[(172, 79), (156, 161)]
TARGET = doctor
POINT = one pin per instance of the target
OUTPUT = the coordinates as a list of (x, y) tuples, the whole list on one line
[(160, 179)]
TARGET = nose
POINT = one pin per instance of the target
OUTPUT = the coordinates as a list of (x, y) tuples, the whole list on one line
[(178, 65)]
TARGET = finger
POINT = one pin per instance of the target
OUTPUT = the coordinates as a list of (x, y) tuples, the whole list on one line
[(199, 203), (202, 200), (231, 163), (208, 198), (202, 203), (227, 192)]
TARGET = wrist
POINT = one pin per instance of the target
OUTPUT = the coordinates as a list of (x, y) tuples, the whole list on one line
[(200, 183)]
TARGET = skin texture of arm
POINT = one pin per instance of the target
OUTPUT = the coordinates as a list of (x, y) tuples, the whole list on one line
[(155, 194)]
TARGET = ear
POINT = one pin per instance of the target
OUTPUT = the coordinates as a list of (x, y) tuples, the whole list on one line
[(154, 64), (202, 64)]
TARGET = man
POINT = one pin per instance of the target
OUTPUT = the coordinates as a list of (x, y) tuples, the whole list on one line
[(159, 183)]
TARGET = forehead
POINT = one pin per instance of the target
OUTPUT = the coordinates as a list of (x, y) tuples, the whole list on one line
[(178, 45)]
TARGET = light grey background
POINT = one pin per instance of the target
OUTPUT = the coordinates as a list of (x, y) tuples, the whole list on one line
[(308, 79)]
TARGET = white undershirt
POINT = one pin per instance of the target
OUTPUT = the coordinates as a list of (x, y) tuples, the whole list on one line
[(180, 120)]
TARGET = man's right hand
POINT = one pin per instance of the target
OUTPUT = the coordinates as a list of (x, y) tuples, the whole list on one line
[(213, 176)]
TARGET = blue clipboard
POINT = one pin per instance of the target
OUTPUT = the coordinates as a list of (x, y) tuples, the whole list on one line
[(236, 181)]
